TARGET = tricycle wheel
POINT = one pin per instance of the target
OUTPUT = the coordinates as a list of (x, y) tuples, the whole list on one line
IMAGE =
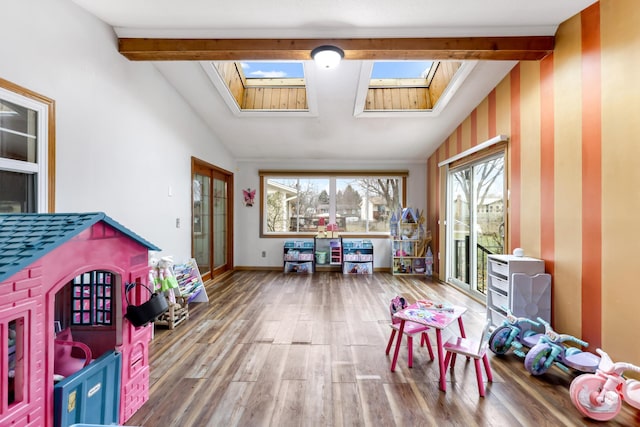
[(584, 392), (535, 360), (499, 340)]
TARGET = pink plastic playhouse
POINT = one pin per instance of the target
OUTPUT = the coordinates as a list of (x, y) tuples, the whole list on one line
[(66, 274)]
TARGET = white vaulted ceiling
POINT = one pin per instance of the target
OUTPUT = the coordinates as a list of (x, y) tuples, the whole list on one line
[(333, 131)]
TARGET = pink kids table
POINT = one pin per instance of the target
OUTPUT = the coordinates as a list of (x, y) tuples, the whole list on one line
[(435, 318)]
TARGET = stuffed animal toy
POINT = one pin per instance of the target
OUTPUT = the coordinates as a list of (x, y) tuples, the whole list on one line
[(168, 281), (154, 278)]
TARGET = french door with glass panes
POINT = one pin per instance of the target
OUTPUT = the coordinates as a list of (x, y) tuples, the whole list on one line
[(476, 201), (212, 216)]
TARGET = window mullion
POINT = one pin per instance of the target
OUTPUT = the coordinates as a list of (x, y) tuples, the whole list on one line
[(332, 200), (11, 165)]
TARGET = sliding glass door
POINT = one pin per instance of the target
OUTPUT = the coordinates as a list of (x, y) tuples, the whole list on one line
[(476, 202)]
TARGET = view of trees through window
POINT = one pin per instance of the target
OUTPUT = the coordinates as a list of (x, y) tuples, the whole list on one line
[(487, 190), (477, 202), (355, 204)]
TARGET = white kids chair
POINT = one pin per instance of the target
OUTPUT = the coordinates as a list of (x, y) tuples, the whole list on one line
[(475, 349)]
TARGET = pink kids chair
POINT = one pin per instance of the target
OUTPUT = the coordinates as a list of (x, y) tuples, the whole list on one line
[(471, 349), (63, 362), (410, 329)]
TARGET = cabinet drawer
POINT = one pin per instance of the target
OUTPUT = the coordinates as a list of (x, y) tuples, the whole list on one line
[(499, 300), (298, 267), (496, 317), (306, 257), (499, 268), (358, 257), (357, 268), (499, 283)]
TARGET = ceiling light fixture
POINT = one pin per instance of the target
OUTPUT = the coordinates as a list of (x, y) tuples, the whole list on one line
[(327, 56)]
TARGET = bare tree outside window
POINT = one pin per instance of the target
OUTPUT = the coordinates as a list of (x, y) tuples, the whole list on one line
[(488, 193), (275, 212), (359, 205), (386, 188), (477, 219)]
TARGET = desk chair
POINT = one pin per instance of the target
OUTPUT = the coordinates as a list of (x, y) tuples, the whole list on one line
[(410, 329), (475, 349), (64, 363)]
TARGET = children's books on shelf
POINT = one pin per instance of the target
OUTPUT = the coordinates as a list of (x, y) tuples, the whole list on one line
[(190, 283)]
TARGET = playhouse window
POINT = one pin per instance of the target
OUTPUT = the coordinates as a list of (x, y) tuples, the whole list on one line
[(15, 374), (91, 298)]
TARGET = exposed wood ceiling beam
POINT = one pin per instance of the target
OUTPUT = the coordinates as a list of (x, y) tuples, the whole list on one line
[(454, 48)]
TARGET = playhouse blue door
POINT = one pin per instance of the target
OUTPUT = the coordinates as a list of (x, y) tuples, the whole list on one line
[(91, 395)]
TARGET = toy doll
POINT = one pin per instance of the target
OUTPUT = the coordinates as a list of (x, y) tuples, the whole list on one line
[(168, 281)]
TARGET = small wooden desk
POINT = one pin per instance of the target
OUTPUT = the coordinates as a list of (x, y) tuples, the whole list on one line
[(436, 319)]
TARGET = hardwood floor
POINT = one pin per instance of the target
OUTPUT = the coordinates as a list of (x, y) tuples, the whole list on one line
[(271, 349)]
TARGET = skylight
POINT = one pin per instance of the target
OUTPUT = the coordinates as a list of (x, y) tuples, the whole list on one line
[(272, 70), (387, 88), (262, 86), (401, 69)]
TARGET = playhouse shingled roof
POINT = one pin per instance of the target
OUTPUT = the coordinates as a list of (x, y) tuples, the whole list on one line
[(26, 237)]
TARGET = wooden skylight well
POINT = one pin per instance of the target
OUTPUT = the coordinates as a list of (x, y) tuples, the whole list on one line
[(386, 88), (265, 86), (427, 93), (408, 85)]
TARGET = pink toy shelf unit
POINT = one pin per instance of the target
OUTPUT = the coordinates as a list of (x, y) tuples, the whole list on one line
[(68, 355)]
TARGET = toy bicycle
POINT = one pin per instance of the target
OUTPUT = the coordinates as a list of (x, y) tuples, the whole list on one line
[(511, 335), (599, 396), (551, 350)]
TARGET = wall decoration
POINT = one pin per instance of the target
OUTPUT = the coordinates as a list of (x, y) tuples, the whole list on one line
[(249, 195)]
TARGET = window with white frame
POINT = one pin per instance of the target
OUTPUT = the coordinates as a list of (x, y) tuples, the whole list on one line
[(25, 154), (358, 203)]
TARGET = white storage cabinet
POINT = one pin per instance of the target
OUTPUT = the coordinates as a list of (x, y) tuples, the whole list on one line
[(519, 284)]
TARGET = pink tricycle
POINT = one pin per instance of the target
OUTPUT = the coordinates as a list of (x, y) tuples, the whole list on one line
[(599, 396)]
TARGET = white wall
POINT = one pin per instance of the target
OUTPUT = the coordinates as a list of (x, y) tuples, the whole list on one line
[(248, 245), (124, 137)]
